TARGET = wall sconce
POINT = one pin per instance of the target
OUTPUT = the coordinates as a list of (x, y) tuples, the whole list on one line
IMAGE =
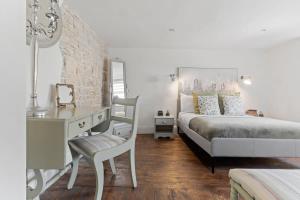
[(246, 80), (172, 77)]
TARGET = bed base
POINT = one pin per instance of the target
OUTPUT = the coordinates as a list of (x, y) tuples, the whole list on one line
[(200, 153), (213, 164), (242, 147)]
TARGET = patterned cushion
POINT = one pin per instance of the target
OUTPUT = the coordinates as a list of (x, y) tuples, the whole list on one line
[(209, 105), (233, 105), (92, 144), (196, 94), (221, 96)]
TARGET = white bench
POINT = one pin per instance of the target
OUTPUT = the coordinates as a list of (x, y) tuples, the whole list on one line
[(265, 184)]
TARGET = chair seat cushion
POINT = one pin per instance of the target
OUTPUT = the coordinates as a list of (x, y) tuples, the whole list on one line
[(96, 143)]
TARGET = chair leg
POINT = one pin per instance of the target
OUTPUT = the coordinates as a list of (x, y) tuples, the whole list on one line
[(113, 166), (75, 163), (99, 179), (132, 166)]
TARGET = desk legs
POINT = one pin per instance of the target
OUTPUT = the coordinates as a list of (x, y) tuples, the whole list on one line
[(33, 193), (41, 183)]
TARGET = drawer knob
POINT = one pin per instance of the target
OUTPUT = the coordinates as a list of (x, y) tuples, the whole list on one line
[(81, 125), (100, 117)]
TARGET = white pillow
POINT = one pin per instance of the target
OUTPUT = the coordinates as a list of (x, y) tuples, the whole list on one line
[(186, 103), (209, 105), (233, 105)]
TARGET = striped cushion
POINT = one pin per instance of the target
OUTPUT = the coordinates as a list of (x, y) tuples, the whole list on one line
[(93, 144), (270, 184)]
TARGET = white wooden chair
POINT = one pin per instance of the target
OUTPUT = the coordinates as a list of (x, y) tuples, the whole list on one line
[(105, 146)]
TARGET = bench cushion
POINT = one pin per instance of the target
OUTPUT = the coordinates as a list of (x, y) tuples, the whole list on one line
[(271, 184)]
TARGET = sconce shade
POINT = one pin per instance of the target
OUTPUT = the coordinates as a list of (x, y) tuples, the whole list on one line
[(246, 80)]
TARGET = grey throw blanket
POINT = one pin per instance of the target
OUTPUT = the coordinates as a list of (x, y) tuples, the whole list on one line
[(210, 127)]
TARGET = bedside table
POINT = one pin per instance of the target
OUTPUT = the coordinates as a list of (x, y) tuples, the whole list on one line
[(164, 126), (255, 113)]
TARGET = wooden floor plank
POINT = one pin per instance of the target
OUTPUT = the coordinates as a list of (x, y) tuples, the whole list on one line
[(166, 170)]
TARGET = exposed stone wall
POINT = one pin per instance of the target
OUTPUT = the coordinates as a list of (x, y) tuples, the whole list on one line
[(85, 57)]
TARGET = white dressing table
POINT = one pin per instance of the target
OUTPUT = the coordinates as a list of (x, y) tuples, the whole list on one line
[(48, 136)]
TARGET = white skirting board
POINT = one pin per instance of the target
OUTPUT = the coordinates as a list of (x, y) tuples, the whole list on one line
[(146, 129), (150, 130)]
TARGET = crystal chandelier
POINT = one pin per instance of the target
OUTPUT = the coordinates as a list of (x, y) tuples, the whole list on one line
[(43, 29)]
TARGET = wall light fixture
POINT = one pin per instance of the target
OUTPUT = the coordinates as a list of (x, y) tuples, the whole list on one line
[(246, 80), (172, 77)]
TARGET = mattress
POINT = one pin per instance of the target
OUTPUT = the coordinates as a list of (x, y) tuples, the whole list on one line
[(270, 184), (222, 126)]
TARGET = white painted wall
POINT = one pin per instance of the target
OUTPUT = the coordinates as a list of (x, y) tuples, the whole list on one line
[(13, 64), (148, 75), (49, 73), (283, 64)]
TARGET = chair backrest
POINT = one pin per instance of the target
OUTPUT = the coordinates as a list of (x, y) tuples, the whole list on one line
[(130, 102)]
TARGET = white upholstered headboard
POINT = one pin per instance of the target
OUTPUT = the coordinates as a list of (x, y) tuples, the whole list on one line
[(206, 79)]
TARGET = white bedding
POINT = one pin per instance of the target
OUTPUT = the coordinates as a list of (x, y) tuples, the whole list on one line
[(185, 117)]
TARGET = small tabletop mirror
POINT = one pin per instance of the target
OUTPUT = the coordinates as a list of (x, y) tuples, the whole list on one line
[(65, 95)]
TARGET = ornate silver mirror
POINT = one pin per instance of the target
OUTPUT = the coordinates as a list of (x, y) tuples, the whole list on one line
[(43, 22), (65, 95)]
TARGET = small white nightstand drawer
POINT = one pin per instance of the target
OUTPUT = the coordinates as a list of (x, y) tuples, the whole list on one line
[(122, 130), (167, 121)]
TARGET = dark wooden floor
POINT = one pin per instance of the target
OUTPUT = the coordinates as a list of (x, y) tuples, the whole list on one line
[(166, 170)]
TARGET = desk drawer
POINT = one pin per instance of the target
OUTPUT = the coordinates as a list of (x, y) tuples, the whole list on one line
[(79, 126), (99, 118), (168, 121)]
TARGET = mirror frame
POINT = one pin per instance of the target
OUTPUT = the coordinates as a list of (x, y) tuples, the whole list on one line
[(124, 77), (118, 60), (59, 104)]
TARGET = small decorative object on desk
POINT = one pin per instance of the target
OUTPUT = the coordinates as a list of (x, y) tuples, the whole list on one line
[(160, 113), (65, 95), (167, 113), (164, 126)]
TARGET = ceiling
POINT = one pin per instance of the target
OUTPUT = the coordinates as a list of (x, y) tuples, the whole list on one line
[(197, 23)]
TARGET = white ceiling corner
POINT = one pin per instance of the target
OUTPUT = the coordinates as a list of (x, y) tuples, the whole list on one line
[(197, 23)]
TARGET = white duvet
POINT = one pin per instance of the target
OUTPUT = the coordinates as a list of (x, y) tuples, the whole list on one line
[(185, 117)]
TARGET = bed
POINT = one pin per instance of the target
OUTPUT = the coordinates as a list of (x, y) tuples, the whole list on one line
[(244, 145), (234, 136), (261, 184)]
